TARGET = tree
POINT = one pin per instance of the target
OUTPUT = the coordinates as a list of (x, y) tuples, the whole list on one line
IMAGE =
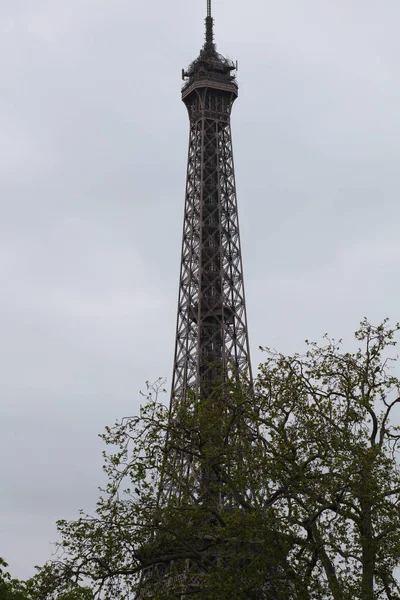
[(332, 449), (43, 586), (10, 589), (38, 587), (302, 496)]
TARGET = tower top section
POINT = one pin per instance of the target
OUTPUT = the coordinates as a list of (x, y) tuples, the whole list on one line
[(209, 69)]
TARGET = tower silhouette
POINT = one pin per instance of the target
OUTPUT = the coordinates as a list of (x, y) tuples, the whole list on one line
[(211, 333)]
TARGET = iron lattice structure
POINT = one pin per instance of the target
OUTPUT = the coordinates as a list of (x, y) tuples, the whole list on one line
[(211, 334)]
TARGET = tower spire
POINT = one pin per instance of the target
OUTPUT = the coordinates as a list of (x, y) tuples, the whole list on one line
[(209, 26)]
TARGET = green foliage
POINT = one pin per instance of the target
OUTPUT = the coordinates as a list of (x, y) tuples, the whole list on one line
[(46, 586), (11, 589), (293, 488), (39, 587)]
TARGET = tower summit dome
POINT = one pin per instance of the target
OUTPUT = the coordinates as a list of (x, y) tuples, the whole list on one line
[(209, 65)]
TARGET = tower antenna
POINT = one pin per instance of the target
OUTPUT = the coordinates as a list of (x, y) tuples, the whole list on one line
[(209, 26)]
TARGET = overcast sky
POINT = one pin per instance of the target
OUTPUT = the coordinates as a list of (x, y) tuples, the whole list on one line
[(93, 148)]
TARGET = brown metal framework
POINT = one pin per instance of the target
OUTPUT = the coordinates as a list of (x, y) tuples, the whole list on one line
[(211, 334)]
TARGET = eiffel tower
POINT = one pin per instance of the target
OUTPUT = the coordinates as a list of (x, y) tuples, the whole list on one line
[(211, 333)]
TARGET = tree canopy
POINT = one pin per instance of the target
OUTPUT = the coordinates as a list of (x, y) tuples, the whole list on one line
[(286, 489), (10, 589), (37, 588)]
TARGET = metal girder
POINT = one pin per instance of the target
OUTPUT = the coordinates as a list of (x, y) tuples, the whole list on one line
[(211, 334)]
